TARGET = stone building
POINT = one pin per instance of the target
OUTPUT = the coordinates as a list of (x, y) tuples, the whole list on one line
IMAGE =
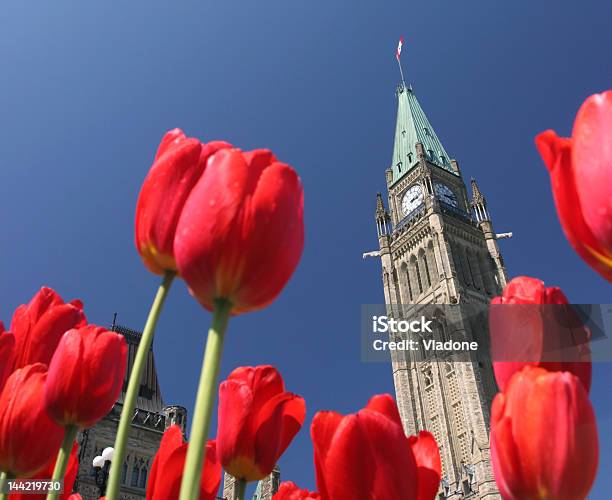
[(438, 247), (151, 418)]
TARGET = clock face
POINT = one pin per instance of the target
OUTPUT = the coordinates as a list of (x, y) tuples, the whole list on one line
[(412, 199), (444, 193)]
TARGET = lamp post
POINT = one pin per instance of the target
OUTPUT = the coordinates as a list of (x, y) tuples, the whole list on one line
[(101, 466)]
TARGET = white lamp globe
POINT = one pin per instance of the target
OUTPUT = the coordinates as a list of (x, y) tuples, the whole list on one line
[(98, 461), (108, 453)]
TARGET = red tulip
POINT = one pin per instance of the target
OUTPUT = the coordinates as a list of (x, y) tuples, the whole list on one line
[(167, 469), (534, 325), (290, 491), (257, 421), (178, 165), (543, 437), (7, 354), (429, 464), (367, 455), (85, 376), (39, 325), (241, 232), (29, 439), (47, 472), (581, 177)]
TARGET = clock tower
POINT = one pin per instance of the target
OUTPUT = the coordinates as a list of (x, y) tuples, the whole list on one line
[(438, 249)]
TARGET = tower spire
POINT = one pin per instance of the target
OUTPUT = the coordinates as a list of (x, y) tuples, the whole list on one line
[(413, 127)]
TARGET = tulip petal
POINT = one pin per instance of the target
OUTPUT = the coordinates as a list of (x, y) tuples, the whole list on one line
[(275, 215), (170, 139), (170, 441), (275, 426), (288, 490), (161, 198), (556, 153), (29, 439), (235, 440), (429, 465), (265, 382), (592, 162), (324, 426), (39, 326), (386, 405), (7, 354)]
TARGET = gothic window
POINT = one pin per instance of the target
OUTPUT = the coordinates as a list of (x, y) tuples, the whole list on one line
[(419, 282), (426, 130), (430, 153), (408, 287), (398, 299), (135, 471), (410, 158), (143, 478), (428, 376), (124, 471), (442, 159), (431, 260), (466, 267), (425, 270)]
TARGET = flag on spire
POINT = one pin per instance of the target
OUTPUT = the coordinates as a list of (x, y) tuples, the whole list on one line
[(399, 48)]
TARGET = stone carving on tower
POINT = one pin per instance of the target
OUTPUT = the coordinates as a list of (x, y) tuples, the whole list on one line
[(439, 248)]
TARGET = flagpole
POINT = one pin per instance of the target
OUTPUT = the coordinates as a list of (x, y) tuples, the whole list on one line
[(399, 63)]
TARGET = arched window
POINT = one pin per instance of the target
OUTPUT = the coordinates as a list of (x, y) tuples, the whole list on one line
[(419, 281), (410, 290), (143, 478), (424, 270), (431, 262), (135, 474), (124, 469)]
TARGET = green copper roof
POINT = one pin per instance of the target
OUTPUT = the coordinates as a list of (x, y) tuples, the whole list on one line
[(412, 127)]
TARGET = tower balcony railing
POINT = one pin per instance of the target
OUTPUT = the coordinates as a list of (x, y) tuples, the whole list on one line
[(410, 218), (456, 212)]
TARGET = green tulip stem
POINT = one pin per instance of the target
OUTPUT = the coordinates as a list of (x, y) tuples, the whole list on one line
[(205, 399), (4, 477), (70, 433), (129, 401), (240, 488)]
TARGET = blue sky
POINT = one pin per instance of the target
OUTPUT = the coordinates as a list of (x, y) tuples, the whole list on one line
[(87, 91)]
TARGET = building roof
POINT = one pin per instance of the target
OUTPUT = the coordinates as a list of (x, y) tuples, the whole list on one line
[(149, 395), (412, 127)]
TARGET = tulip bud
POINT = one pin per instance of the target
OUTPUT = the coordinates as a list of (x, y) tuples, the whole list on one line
[(178, 165), (29, 439), (543, 437), (257, 421), (167, 470), (288, 490), (534, 325), (39, 325), (581, 176), (241, 232), (85, 376), (358, 456)]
